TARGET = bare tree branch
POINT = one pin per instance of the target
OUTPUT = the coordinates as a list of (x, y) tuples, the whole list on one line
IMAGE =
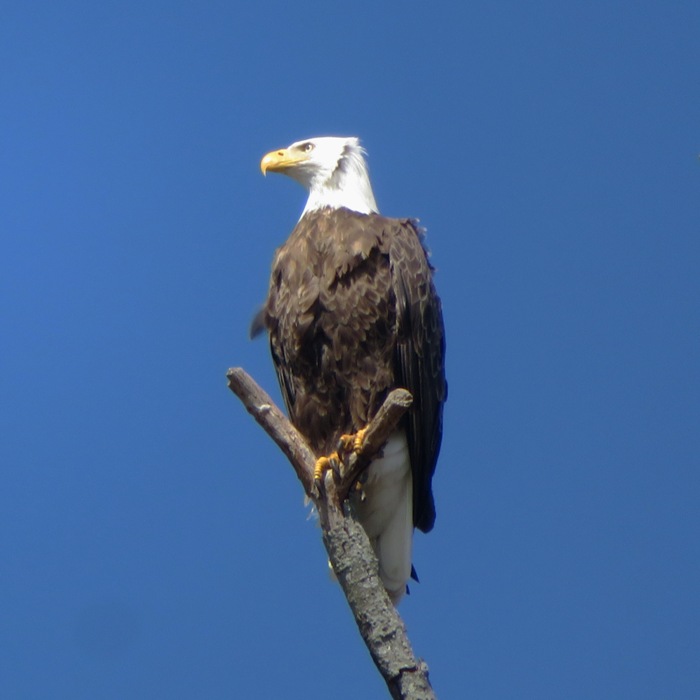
[(349, 550), (275, 424)]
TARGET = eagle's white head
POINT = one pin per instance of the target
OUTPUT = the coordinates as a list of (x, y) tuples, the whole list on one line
[(332, 168)]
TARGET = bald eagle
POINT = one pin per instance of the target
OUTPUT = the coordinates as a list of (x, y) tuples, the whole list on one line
[(352, 313)]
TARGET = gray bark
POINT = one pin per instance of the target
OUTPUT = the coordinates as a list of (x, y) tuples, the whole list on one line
[(349, 550)]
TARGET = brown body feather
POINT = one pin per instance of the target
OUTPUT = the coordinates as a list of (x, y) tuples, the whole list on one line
[(352, 313)]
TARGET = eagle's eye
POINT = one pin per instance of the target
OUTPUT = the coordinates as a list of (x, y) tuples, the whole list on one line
[(307, 147)]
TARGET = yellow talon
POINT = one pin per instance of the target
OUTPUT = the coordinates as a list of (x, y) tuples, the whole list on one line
[(359, 489), (359, 439), (352, 443), (346, 442), (323, 464)]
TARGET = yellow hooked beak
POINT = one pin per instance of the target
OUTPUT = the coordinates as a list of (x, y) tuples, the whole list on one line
[(280, 160)]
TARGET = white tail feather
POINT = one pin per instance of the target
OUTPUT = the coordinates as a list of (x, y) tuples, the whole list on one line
[(386, 513)]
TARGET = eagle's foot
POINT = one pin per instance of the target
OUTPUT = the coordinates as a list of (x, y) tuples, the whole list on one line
[(323, 464), (345, 443), (359, 489), (359, 440), (352, 443)]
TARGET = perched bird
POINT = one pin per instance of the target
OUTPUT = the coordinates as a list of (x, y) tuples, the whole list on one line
[(352, 313)]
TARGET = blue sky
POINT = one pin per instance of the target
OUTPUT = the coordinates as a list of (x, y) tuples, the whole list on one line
[(154, 542)]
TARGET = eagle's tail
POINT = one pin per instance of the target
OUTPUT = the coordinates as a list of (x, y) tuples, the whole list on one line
[(386, 513)]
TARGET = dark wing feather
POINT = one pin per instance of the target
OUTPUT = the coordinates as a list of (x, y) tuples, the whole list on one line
[(420, 361), (285, 377), (280, 299)]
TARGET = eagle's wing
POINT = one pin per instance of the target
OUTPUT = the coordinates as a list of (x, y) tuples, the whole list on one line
[(284, 377), (420, 361), (277, 303)]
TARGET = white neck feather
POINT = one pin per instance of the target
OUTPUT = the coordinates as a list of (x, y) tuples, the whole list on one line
[(347, 185), (355, 199)]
